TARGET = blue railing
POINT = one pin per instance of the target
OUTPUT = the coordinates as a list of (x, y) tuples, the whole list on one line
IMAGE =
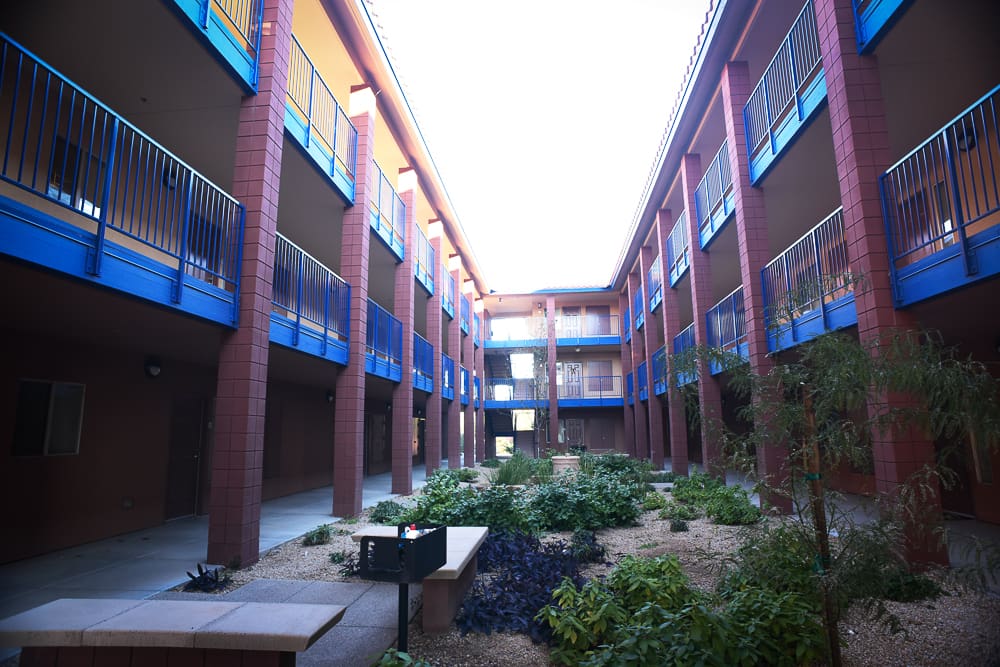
[(388, 214), (685, 342), (627, 319), (654, 284), (384, 343), (726, 327), (465, 310), (642, 381), (232, 27), (660, 371), (808, 289), (516, 331), (589, 329), (476, 393), (941, 205), (138, 207), (423, 364), (513, 393), (463, 374), (310, 304), (423, 268), (318, 122), (475, 329), (714, 199), (872, 18), (447, 377), (629, 384), (591, 391), (448, 295), (679, 249), (637, 308), (791, 90)]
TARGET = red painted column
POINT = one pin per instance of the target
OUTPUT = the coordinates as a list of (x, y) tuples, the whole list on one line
[(676, 411), (402, 393), (241, 392), (433, 418), (480, 356), (349, 405), (654, 407), (861, 149), (702, 300), (454, 428), (626, 356), (551, 356), (469, 414), (638, 356), (751, 234)]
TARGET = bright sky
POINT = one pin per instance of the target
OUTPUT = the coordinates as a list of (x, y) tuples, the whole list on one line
[(544, 118)]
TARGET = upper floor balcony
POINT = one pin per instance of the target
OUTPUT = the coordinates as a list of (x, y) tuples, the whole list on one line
[(423, 364), (627, 319), (726, 327), (642, 380), (448, 295), (476, 392), (387, 213), (684, 345), (942, 207), (384, 344), (630, 388), (678, 249), (232, 29), (320, 126), (660, 371), (588, 329), (714, 198), (465, 311), (447, 377), (872, 19), (590, 391), (517, 332), (638, 310), (809, 289), (654, 284), (475, 330), (515, 393), (423, 267), (310, 304), (464, 384), (86, 193), (788, 95)]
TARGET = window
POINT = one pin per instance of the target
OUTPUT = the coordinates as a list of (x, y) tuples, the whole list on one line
[(48, 418), (73, 179)]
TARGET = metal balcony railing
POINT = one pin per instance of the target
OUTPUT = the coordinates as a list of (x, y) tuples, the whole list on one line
[(513, 389), (660, 371), (448, 295), (678, 249), (713, 198), (465, 310), (726, 322), (627, 319), (475, 329), (630, 388), (685, 342), (654, 284), (642, 381), (388, 213), (309, 294), (586, 326), (423, 363), (591, 388), (384, 343), (232, 27), (507, 329), (872, 18), (638, 309), (447, 377), (464, 386), (423, 267)]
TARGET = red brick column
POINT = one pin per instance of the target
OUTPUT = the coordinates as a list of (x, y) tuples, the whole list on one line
[(638, 356), (552, 357), (402, 393), (454, 428), (702, 300), (433, 418), (469, 416), (626, 357), (861, 149), (349, 405), (654, 407), (480, 356), (751, 234), (676, 411), (241, 392)]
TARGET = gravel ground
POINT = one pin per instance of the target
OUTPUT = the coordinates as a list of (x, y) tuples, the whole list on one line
[(960, 628)]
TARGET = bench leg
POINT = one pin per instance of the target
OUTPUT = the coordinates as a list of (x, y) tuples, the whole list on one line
[(71, 656), (442, 598)]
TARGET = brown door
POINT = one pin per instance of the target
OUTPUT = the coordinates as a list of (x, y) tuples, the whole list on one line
[(187, 435)]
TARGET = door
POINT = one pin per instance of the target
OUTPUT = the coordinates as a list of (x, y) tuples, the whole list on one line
[(574, 433), (570, 322), (572, 379), (187, 437)]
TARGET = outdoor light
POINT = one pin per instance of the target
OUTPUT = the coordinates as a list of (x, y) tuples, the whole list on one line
[(152, 367), (329, 396), (965, 138)]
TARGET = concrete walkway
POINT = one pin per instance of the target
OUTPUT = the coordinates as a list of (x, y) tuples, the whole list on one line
[(140, 565)]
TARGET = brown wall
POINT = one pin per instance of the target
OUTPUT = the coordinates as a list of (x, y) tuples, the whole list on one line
[(298, 440)]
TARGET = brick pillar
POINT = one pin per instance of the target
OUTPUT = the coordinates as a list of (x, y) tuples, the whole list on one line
[(751, 235), (638, 356), (551, 358), (241, 390), (469, 416), (349, 405), (626, 356), (702, 300), (480, 358), (433, 421), (402, 393), (454, 429), (676, 411), (654, 407), (491, 441), (861, 149)]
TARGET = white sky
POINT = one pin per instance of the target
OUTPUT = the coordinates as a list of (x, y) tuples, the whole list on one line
[(544, 118)]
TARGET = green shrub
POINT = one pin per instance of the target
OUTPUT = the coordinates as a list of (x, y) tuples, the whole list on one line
[(338, 557), (467, 475), (585, 547), (654, 500), (730, 506), (903, 586), (678, 526), (659, 477), (387, 513), (491, 463), (620, 466), (637, 581), (395, 658), (318, 535), (581, 619), (516, 470), (572, 502), (694, 489), (541, 470), (771, 628), (444, 500), (677, 512), (777, 557)]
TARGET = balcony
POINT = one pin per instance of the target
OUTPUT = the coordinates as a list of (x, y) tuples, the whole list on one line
[(642, 381), (591, 391), (310, 304), (423, 267), (787, 97), (627, 319), (580, 330), (714, 198), (638, 309), (475, 330), (684, 345), (464, 378), (654, 284), (463, 317), (629, 385), (95, 198), (517, 332), (873, 18), (808, 289), (476, 392), (726, 327), (447, 377), (942, 207), (232, 29), (384, 344), (448, 296), (387, 213), (515, 393), (679, 250), (423, 364), (660, 371)]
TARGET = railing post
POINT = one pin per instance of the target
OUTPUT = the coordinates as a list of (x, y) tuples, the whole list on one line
[(203, 15), (94, 267), (968, 258), (309, 104), (327, 295), (185, 233), (820, 287), (298, 299), (791, 68), (335, 138), (767, 112)]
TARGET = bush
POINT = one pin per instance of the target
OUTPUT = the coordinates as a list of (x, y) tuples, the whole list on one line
[(516, 470), (659, 477), (395, 658), (677, 512), (730, 506), (678, 526), (318, 535), (338, 557), (776, 557), (619, 466), (903, 586), (445, 501), (654, 500), (387, 513), (586, 548), (694, 489), (491, 463), (541, 470), (573, 502)]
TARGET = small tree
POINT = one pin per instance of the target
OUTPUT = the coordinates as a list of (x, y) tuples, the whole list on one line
[(540, 373)]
